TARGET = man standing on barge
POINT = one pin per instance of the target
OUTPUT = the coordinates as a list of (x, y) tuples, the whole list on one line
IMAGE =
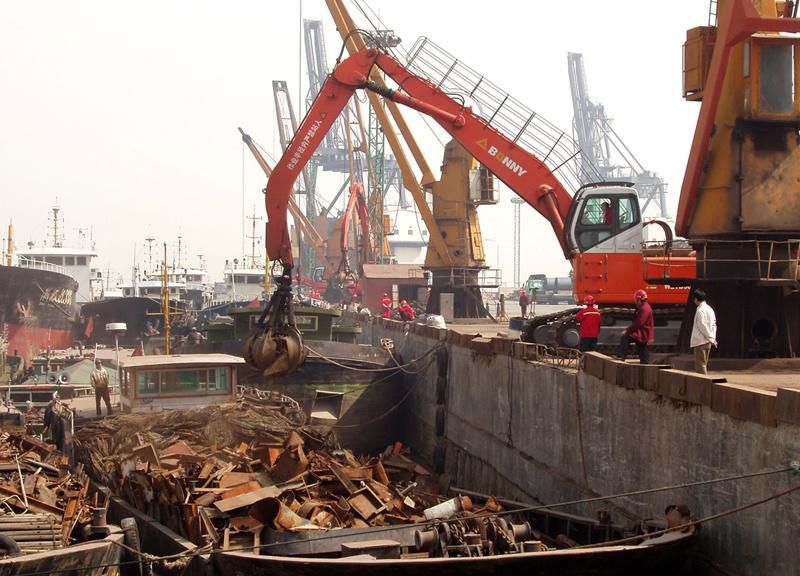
[(704, 331), (99, 381)]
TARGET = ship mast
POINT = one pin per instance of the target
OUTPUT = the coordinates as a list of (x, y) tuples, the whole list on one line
[(165, 302), (149, 241), (56, 227), (253, 237), (10, 251)]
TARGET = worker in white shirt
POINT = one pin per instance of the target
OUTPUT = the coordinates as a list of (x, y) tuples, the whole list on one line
[(704, 331)]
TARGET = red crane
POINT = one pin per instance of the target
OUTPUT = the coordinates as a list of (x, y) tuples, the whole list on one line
[(606, 256)]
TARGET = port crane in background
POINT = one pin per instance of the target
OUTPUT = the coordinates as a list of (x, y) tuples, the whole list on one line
[(600, 229), (602, 148), (337, 150), (310, 235), (740, 201), (337, 232), (455, 261)]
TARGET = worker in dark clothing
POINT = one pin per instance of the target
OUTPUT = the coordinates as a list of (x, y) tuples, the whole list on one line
[(588, 321), (523, 302), (641, 331), (195, 337)]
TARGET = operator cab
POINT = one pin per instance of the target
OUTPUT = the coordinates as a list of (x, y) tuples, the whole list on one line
[(605, 218)]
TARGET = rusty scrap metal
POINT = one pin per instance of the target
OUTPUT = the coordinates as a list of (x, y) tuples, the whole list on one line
[(225, 474), (42, 505)]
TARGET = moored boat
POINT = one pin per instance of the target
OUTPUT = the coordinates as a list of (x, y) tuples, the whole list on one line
[(37, 308)]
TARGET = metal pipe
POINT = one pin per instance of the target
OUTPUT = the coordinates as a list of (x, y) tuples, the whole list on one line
[(21, 482)]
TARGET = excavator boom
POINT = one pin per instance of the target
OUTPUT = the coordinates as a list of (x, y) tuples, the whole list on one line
[(524, 173)]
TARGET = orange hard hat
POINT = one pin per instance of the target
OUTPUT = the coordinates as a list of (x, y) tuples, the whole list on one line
[(640, 295), (589, 300)]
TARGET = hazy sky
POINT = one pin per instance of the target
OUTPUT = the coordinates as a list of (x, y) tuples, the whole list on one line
[(126, 112)]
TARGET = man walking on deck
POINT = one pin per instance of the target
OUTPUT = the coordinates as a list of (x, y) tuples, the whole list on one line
[(704, 331), (99, 381), (641, 331)]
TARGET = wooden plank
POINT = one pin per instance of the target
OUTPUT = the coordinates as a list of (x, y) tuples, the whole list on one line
[(211, 530), (745, 403), (247, 499), (788, 406), (232, 479), (242, 489)]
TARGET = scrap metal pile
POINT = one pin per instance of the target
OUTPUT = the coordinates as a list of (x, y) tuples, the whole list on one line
[(222, 474), (42, 504)]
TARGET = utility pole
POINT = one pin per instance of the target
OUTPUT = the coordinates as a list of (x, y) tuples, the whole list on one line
[(517, 202)]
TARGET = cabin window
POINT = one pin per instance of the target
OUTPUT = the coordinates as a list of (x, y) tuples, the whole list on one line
[(218, 380), (239, 279), (777, 79), (148, 383), (57, 260), (628, 212), (182, 382), (69, 260), (179, 382), (596, 222), (81, 260)]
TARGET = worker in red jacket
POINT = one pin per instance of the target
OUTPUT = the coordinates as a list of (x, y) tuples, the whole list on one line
[(641, 331), (386, 306), (406, 311), (588, 321)]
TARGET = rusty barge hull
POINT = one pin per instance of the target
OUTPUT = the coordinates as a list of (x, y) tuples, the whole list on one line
[(616, 560)]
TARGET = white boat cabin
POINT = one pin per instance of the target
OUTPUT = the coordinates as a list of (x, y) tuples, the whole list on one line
[(156, 383)]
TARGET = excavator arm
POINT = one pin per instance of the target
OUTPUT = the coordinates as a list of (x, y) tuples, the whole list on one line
[(273, 348), (528, 176)]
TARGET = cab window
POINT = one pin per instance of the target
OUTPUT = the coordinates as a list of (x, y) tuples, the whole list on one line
[(628, 212), (597, 211), (596, 222)]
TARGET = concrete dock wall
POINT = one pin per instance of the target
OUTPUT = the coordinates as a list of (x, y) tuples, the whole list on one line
[(499, 423)]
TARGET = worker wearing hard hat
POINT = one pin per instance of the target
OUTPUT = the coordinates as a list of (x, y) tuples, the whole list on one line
[(641, 331), (386, 306), (406, 311), (588, 320)]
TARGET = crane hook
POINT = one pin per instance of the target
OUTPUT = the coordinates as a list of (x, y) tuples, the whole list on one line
[(275, 346)]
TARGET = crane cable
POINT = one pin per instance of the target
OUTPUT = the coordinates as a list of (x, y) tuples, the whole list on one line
[(387, 345)]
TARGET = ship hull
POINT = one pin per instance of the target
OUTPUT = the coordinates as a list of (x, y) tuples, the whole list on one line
[(37, 310)]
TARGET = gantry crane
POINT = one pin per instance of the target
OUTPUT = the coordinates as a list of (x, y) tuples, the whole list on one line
[(455, 257), (602, 148)]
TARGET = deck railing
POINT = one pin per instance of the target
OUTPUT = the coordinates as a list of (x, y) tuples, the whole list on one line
[(34, 264)]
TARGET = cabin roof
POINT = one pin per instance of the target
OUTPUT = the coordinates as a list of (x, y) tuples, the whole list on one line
[(157, 361)]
